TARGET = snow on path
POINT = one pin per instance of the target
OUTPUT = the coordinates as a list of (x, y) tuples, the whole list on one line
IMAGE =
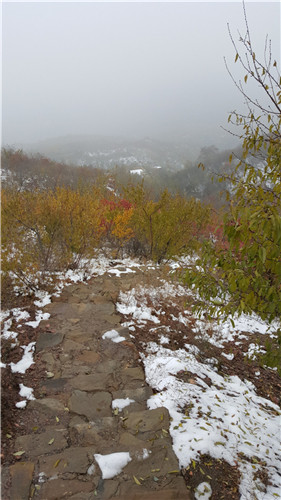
[(89, 269)]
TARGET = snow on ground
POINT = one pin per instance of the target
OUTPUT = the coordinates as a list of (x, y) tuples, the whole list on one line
[(26, 361), (111, 465), (25, 392), (224, 418), (203, 491), (114, 336), (121, 403)]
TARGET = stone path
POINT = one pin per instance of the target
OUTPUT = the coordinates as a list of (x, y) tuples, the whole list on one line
[(74, 420)]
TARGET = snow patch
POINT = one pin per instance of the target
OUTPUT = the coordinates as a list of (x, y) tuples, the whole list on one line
[(111, 465), (203, 491), (121, 403), (26, 392), (26, 361), (114, 336)]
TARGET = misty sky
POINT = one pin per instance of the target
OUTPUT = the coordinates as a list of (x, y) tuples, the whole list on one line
[(126, 69)]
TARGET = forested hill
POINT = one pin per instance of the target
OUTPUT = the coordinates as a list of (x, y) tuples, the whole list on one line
[(29, 171)]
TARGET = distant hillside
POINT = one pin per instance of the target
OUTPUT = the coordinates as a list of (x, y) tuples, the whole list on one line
[(107, 152)]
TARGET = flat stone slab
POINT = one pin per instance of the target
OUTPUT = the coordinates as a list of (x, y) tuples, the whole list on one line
[(89, 357), (75, 459), (92, 382), (49, 359), (51, 403), (106, 489), (132, 377), (54, 385), (48, 339), (139, 395), (91, 405), (21, 475), (63, 488), (94, 433), (35, 445), (141, 422), (71, 345), (82, 308), (160, 462), (85, 496), (105, 308), (142, 494), (131, 443), (63, 309), (110, 366)]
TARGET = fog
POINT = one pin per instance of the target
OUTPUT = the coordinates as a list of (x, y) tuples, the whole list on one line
[(125, 69)]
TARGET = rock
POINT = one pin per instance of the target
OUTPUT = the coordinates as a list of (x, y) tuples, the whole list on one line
[(54, 385), (132, 443), (60, 488), (76, 420), (113, 319), (110, 366), (99, 299), (47, 339), (92, 382), (74, 459), (70, 345), (105, 309), (49, 359), (140, 394), (21, 475), (110, 488), (162, 458), (91, 405), (90, 357), (149, 420), (140, 494), (63, 309), (81, 308), (94, 433), (131, 377), (51, 403), (74, 321), (84, 496), (136, 373), (35, 445)]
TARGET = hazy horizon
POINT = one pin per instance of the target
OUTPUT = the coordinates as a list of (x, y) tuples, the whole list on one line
[(125, 69)]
